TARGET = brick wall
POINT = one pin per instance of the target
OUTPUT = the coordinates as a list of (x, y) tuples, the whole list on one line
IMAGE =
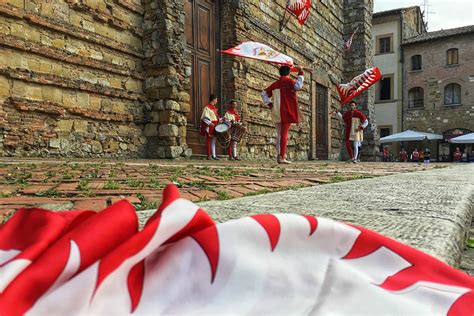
[(71, 77)]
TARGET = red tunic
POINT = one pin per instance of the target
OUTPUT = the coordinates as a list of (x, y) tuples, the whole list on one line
[(232, 114), (348, 119), (209, 111), (457, 156), (285, 101), (403, 156)]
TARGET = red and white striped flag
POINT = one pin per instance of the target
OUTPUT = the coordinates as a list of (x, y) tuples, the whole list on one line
[(300, 8), (86, 263), (348, 91)]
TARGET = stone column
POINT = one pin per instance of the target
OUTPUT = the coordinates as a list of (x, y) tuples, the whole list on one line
[(358, 13), (164, 66)]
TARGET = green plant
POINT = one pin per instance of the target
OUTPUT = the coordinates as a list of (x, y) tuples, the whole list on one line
[(134, 183), (111, 185), (153, 183), (144, 204), (6, 217), (67, 176), (50, 174), (83, 185), (49, 193), (5, 194), (470, 243), (222, 195)]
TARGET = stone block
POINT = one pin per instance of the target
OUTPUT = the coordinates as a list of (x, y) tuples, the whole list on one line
[(80, 126), (19, 89), (69, 99), (182, 131), (151, 130), (168, 93), (54, 143), (4, 87), (168, 130), (34, 92), (83, 99), (96, 147), (184, 107), (52, 94), (64, 126), (17, 30)]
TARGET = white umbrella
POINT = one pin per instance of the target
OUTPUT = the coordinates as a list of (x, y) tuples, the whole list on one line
[(463, 139), (409, 135)]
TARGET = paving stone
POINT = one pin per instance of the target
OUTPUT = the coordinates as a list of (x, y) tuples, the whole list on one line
[(90, 204)]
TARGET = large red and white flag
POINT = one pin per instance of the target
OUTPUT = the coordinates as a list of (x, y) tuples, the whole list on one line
[(348, 91), (300, 8), (85, 263), (259, 51)]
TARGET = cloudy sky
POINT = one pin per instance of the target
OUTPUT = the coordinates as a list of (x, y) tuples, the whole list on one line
[(444, 14)]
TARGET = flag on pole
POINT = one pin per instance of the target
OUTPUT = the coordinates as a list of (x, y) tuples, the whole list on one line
[(300, 8), (362, 82), (182, 262), (348, 43), (261, 52)]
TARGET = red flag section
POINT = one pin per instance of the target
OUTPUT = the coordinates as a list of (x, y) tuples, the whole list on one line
[(85, 263), (300, 8), (357, 85)]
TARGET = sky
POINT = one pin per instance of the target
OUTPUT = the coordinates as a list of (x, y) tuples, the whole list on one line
[(443, 14)]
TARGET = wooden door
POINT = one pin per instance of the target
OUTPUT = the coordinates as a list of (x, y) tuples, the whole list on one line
[(321, 122), (201, 36)]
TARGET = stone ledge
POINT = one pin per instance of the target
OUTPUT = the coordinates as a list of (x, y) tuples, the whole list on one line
[(130, 6), (68, 83)]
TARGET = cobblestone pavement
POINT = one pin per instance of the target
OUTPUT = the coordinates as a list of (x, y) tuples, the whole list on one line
[(88, 184), (430, 210)]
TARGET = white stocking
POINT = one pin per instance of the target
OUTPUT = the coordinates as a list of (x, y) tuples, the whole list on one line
[(278, 138), (234, 149), (213, 146), (355, 145)]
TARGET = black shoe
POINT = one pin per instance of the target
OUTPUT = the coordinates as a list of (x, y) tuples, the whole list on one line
[(215, 158), (235, 158)]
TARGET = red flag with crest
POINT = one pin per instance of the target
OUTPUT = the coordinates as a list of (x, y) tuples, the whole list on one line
[(362, 82)]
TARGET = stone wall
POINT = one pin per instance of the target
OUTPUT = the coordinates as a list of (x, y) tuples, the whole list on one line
[(71, 78), (433, 78)]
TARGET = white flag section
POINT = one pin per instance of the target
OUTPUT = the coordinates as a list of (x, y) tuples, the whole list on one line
[(85, 263), (259, 51)]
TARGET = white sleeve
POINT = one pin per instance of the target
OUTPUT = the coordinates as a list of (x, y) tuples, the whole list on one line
[(299, 82), (339, 115), (206, 120), (265, 97), (366, 122)]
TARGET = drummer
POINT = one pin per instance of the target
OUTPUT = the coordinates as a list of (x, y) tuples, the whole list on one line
[(232, 116), (209, 120)]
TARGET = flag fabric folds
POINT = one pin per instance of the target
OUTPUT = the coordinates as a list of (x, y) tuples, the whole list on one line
[(348, 43), (362, 82), (182, 262), (300, 8), (261, 52)]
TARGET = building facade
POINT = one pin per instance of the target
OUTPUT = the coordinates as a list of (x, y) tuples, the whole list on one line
[(390, 30), (103, 78), (439, 87)]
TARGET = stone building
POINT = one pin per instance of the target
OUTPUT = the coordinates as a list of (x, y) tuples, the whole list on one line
[(390, 30), (439, 87), (128, 78)]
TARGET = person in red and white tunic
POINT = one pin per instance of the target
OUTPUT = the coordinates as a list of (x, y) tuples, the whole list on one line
[(284, 105), (354, 122), (232, 117), (209, 119)]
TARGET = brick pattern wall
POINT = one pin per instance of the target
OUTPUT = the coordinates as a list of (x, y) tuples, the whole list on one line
[(71, 79), (433, 78)]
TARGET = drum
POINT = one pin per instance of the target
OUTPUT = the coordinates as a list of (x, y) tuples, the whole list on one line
[(237, 131), (223, 134)]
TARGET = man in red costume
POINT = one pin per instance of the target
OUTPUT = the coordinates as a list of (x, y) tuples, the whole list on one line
[(232, 116), (354, 122), (284, 106), (209, 120)]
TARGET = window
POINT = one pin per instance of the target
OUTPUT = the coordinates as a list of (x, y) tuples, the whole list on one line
[(384, 44), (415, 97), (385, 89), (452, 56), (416, 62), (384, 131), (452, 94)]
